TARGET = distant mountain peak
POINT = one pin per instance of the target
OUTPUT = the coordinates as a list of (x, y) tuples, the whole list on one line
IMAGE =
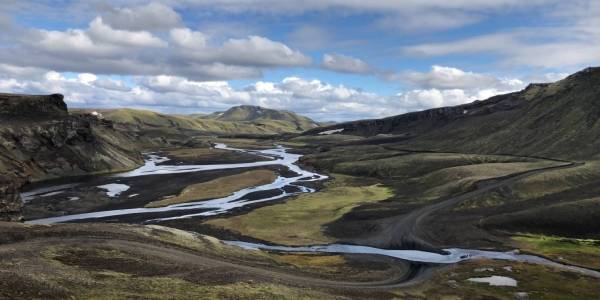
[(258, 114)]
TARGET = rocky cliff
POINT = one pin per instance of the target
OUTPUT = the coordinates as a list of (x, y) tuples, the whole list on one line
[(39, 140)]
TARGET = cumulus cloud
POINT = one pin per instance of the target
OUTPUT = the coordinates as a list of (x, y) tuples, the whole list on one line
[(102, 49), (311, 97), (345, 64), (99, 40), (314, 98), (256, 50), (442, 77), (153, 16), (447, 86)]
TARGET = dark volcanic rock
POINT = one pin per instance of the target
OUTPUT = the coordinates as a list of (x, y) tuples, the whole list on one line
[(32, 106), (39, 140), (11, 205)]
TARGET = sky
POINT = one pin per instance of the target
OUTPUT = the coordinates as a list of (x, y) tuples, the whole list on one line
[(331, 60)]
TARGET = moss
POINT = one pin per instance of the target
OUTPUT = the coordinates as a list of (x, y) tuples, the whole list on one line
[(299, 221), (218, 188), (582, 252), (455, 180), (117, 286), (419, 164), (559, 183), (539, 282)]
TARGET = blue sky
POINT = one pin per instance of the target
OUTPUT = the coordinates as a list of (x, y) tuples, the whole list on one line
[(328, 59)]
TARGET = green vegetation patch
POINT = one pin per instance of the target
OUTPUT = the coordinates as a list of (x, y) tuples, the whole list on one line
[(118, 286), (418, 164), (299, 221), (455, 180), (581, 252), (533, 282), (218, 188), (557, 186), (557, 181)]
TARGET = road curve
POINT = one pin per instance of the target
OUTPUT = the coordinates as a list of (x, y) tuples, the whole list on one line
[(196, 260), (404, 231)]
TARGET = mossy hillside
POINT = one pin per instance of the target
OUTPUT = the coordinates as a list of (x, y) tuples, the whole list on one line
[(570, 217), (150, 120), (114, 269), (300, 220), (581, 252), (417, 164), (536, 281), (455, 180), (558, 120), (561, 185)]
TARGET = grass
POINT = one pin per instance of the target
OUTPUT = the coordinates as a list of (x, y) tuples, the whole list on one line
[(120, 286), (106, 271), (557, 181), (300, 221), (559, 186), (581, 252), (246, 143), (418, 164), (218, 188), (454, 180), (539, 282), (211, 155), (152, 120)]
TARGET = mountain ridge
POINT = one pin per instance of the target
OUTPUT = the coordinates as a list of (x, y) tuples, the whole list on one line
[(238, 119), (557, 119)]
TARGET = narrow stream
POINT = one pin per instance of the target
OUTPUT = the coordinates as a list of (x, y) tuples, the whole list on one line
[(155, 165), (454, 255)]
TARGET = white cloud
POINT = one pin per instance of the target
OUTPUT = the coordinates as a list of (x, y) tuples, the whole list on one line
[(111, 84), (188, 39), (452, 78), (152, 16), (86, 78), (99, 40), (102, 49), (103, 33), (345, 64), (447, 86), (256, 50)]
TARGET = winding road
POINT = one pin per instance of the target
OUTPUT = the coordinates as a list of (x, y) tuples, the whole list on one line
[(406, 230), (399, 230)]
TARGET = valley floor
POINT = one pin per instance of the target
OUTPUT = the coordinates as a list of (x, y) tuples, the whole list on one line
[(379, 194)]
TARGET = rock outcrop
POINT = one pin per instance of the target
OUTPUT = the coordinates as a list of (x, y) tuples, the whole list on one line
[(39, 140), (10, 200), (14, 106)]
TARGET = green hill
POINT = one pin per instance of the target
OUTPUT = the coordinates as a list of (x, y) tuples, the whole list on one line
[(261, 115), (237, 120), (560, 119)]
